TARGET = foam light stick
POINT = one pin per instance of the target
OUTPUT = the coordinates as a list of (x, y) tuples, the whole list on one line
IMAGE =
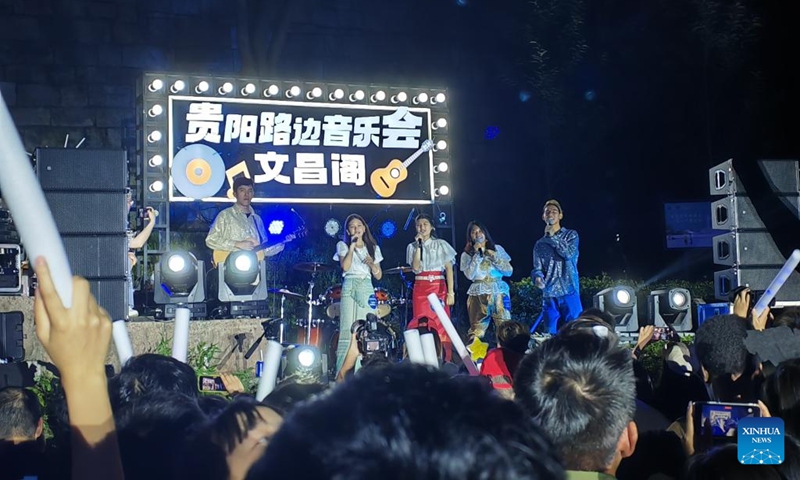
[(453, 334), (23, 195), (269, 377), (122, 342), (180, 334), (429, 350), (414, 347), (777, 282)]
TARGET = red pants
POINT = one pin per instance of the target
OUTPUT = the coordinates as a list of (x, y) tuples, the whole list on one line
[(422, 309)]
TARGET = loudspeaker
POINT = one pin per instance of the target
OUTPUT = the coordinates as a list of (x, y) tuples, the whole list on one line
[(784, 179), (97, 256), (11, 336), (757, 278), (111, 294), (89, 213), (744, 248), (734, 212), (723, 180), (81, 170)]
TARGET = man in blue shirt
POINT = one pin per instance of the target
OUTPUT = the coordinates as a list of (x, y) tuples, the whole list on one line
[(555, 269)]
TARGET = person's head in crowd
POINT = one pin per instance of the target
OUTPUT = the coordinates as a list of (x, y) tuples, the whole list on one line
[(212, 404), (719, 345), (406, 421), (153, 429), (287, 395), (659, 455), (147, 373), (593, 312), (782, 394), (20, 415), (589, 324), (579, 387), (722, 463), (513, 336), (789, 317)]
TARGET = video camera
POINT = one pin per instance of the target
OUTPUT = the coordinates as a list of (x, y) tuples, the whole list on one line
[(754, 296), (374, 337)]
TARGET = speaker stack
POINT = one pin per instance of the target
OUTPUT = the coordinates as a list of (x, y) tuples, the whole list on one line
[(747, 247), (85, 190)]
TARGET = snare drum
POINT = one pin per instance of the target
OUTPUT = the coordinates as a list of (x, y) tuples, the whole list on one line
[(333, 294), (384, 299)]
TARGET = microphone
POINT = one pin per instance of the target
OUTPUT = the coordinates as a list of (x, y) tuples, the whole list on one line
[(551, 221), (419, 242)]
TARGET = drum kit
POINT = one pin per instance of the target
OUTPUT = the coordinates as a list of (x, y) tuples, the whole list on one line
[(324, 332)]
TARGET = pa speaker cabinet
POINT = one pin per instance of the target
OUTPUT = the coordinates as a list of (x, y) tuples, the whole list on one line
[(79, 170), (723, 180), (757, 278), (89, 212), (11, 336), (97, 256), (744, 248), (111, 294), (784, 179), (734, 212)]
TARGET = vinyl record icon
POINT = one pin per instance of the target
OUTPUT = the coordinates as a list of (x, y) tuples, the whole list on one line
[(198, 171)]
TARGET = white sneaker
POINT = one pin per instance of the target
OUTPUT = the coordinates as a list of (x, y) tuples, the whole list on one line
[(132, 313)]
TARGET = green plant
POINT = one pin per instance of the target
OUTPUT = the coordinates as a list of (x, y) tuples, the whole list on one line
[(164, 346), (44, 388), (203, 358)]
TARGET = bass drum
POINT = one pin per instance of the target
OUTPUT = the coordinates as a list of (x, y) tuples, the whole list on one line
[(333, 297), (384, 299)]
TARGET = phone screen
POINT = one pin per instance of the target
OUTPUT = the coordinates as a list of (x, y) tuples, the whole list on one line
[(716, 423), (211, 384)]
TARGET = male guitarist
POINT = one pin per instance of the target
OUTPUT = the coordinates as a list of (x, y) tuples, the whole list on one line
[(238, 227)]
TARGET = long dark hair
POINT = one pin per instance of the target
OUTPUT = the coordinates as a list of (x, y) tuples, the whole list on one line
[(469, 248), (425, 216), (369, 240)]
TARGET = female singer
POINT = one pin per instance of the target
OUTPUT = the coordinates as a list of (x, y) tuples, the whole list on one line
[(485, 263), (432, 261), (360, 258)]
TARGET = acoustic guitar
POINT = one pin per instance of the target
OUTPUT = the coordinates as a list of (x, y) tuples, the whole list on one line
[(262, 250), (385, 180)]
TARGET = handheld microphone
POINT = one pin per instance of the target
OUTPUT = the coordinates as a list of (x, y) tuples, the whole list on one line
[(419, 242), (551, 221), (480, 251)]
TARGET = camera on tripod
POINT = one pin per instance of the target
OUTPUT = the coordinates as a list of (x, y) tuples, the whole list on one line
[(374, 337)]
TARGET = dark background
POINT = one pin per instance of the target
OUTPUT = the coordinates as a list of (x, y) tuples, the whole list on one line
[(611, 106)]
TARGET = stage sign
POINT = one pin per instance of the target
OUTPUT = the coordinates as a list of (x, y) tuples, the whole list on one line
[(299, 152)]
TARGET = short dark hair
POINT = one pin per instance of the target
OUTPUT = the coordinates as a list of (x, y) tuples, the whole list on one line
[(147, 373), (581, 389), (20, 413), (782, 394), (513, 335), (405, 421), (719, 343), (241, 182)]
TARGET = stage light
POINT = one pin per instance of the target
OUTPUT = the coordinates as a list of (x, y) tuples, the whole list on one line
[(271, 91), (440, 145), (388, 229), (357, 96), (438, 98), (156, 186), (248, 89), (421, 98), (201, 87), (178, 86), (441, 168), (241, 268), (225, 88), (156, 85), (314, 93), (441, 123), (400, 97), (378, 96), (337, 94), (241, 278), (155, 136), (332, 227), (441, 191), (293, 92), (620, 303), (156, 161), (304, 364), (671, 307), (179, 279), (155, 110), (275, 227)]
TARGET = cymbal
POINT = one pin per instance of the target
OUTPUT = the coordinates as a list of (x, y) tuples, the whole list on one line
[(288, 293), (402, 269), (313, 267)]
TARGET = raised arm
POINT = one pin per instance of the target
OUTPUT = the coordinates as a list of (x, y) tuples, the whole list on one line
[(140, 240), (413, 257), (471, 265), (502, 261)]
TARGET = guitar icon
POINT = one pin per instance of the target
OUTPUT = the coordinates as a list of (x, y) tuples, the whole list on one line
[(385, 180)]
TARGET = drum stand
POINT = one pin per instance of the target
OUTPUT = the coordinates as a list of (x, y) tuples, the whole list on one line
[(310, 300)]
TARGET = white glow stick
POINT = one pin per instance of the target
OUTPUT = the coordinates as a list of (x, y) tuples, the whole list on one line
[(122, 341), (180, 334), (23, 195), (414, 346), (453, 334), (777, 282), (429, 350), (269, 376)]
